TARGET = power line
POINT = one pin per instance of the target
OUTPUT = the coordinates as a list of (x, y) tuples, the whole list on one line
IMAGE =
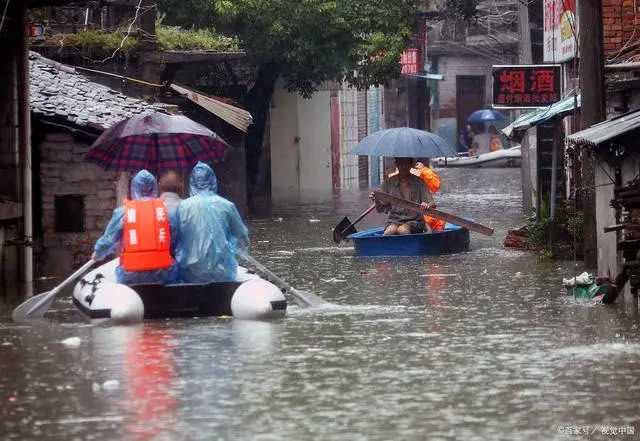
[(4, 14)]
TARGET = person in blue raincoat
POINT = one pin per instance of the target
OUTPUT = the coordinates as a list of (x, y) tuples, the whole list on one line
[(211, 232), (141, 263)]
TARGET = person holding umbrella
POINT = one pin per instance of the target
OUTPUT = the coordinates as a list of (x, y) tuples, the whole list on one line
[(406, 186), (141, 232), (404, 144)]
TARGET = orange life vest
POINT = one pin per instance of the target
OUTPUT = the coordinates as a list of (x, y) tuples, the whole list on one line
[(146, 236), (432, 181)]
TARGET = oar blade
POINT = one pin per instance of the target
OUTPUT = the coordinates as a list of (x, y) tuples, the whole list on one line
[(35, 307), (343, 229)]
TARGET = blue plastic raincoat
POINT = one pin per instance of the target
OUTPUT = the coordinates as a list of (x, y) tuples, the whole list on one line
[(211, 232), (143, 186)]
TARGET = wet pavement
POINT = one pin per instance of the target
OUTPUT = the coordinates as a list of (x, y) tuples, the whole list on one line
[(475, 346)]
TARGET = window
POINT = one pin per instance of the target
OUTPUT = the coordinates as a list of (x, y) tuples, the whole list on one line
[(69, 214)]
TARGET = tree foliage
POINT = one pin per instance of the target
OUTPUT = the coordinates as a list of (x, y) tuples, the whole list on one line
[(188, 13), (461, 9), (312, 41)]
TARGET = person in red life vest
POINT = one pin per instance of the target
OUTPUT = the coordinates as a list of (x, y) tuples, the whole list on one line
[(142, 233)]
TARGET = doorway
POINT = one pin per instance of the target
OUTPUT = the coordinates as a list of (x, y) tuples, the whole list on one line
[(470, 96)]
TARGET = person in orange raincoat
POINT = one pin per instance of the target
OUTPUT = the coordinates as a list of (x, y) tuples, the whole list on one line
[(432, 182)]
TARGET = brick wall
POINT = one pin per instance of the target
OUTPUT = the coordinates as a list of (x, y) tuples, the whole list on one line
[(621, 22), (63, 171)]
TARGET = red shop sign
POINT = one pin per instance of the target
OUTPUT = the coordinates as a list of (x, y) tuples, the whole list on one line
[(523, 86), (410, 61)]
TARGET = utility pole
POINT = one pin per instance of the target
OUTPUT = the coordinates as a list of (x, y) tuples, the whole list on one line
[(525, 57), (593, 111)]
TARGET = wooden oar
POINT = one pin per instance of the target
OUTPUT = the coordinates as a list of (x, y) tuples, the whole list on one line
[(346, 227), (36, 306), (452, 219)]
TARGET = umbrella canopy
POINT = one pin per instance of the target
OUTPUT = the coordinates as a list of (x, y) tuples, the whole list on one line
[(156, 142), (485, 115), (404, 142)]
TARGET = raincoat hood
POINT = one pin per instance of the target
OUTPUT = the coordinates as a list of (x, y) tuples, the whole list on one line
[(144, 185), (203, 180)]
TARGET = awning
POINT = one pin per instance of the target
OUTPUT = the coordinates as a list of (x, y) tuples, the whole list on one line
[(428, 76), (607, 130), (235, 116), (558, 110)]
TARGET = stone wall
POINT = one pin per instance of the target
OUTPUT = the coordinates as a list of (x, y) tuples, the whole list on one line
[(63, 171)]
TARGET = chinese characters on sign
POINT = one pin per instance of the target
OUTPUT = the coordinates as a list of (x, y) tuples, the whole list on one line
[(560, 30), (526, 86), (409, 61)]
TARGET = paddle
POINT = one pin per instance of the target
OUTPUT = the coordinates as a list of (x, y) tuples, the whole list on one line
[(346, 227), (36, 306), (304, 299), (469, 225)]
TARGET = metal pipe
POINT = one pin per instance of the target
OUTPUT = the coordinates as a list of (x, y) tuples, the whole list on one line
[(25, 148), (554, 176)]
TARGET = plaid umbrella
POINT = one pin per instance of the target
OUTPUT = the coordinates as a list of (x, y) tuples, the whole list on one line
[(156, 142)]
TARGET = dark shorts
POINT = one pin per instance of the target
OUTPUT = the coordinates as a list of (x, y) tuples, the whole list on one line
[(416, 227)]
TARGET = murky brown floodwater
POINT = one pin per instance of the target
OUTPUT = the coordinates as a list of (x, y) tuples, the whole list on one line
[(475, 346)]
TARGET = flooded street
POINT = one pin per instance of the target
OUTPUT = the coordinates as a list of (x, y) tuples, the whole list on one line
[(475, 346)]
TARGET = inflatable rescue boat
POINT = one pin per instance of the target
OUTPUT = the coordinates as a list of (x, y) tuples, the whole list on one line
[(511, 157), (97, 295)]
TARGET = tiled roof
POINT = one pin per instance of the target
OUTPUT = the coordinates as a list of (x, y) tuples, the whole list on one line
[(58, 93)]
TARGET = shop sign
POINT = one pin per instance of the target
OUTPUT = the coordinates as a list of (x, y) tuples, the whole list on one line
[(524, 86)]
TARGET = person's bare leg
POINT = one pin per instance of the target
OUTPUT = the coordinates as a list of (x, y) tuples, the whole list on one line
[(404, 229), (392, 229)]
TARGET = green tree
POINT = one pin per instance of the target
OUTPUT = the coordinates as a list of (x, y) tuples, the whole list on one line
[(188, 13), (308, 42)]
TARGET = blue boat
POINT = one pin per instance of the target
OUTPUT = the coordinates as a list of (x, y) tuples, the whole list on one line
[(370, 243)]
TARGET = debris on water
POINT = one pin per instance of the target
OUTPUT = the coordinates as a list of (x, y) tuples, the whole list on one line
[(111, 385), (313, 221), (333, 280), (485, 271), (278, 219), (72, 342)]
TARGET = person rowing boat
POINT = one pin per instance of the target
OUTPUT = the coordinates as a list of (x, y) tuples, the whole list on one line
[(407, 186), (432, 182)]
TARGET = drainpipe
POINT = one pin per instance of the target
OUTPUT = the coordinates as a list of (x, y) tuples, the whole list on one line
[(554, 176), (25, 147)]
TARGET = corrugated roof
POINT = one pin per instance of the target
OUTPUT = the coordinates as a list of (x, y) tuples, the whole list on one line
[(607, 130), (531, 119), (60, 94)]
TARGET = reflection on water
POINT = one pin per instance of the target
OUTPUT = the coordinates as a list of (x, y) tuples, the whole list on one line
[(475, 346)]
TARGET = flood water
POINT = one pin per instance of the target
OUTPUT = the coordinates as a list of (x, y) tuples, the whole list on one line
[(475, 346)]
